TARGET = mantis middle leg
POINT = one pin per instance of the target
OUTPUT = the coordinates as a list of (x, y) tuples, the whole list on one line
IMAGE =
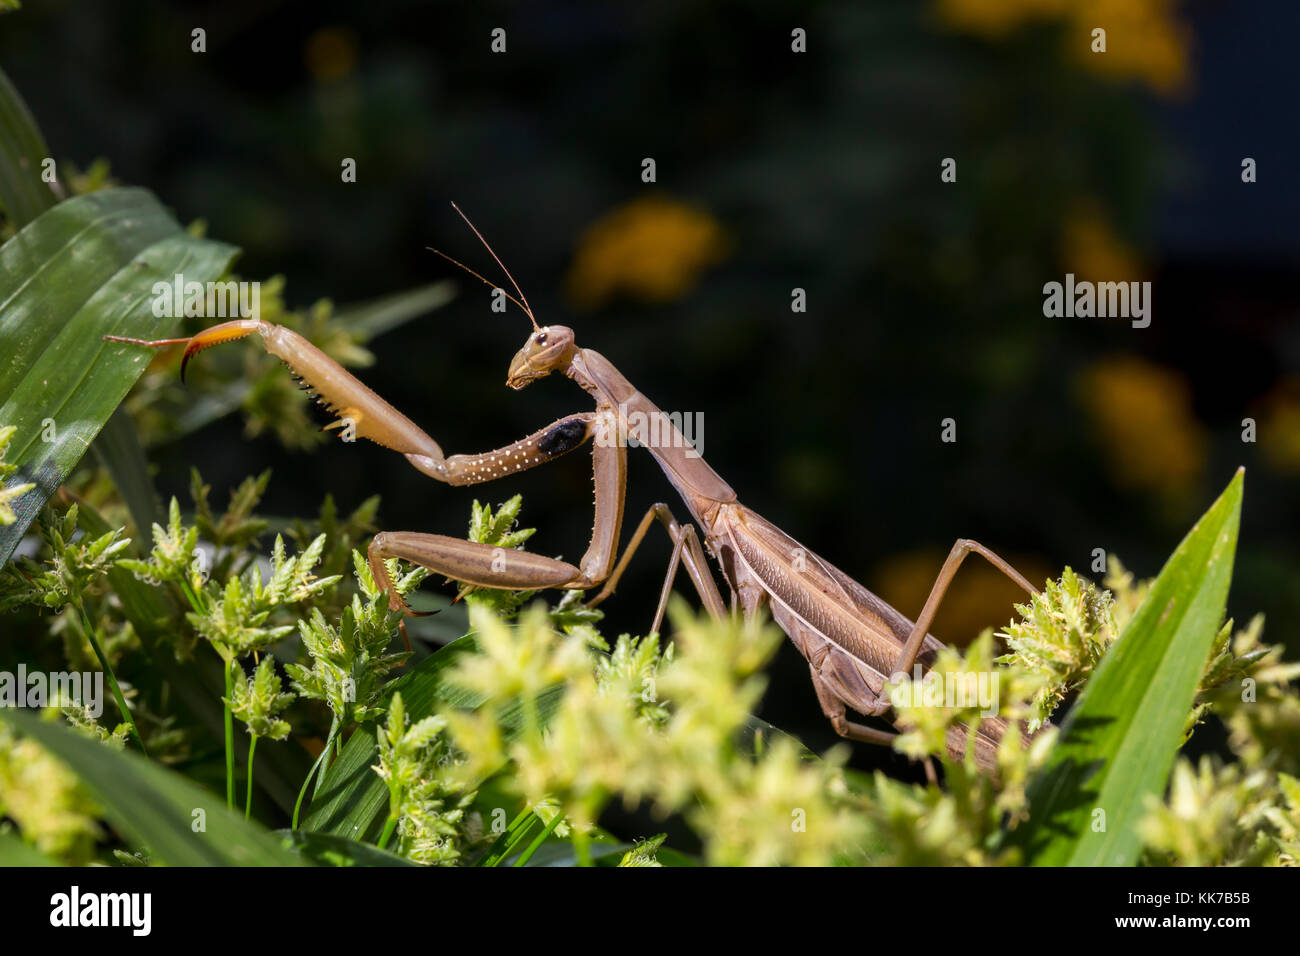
[(687, 549)]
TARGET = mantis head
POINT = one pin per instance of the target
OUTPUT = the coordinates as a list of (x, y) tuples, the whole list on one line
[(547, 350)]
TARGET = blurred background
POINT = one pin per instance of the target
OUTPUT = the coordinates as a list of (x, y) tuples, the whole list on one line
[(775, 170)]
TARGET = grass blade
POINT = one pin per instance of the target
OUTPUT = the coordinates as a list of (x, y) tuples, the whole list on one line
[(23, 193), (373, 318), (325, 849), (119, 450), (1119, 742), (154, 808), (14, 852)]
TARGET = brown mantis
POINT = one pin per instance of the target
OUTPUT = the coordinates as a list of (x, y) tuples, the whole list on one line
[(853, 641)]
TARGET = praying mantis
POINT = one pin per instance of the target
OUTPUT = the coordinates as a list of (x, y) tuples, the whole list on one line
[(853, 641)]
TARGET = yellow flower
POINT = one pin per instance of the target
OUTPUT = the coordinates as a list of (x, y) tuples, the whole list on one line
[(652, 249), (993, 19), (1092, 251), (1279, 426), (1144, 39), (980, 595), (330, 53), (1143, 415)]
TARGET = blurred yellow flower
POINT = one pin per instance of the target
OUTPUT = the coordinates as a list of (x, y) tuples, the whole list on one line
[(330, 53), (1143, 415), (1144, 41), (653, 249), (1092, 250), (996, 18), (1279, 426), (980, 595), (1144, 38)]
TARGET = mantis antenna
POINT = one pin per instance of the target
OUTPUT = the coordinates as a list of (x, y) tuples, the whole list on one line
[(522, 305)]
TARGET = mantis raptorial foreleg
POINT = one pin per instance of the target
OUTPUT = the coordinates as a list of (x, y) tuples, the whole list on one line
[(493, 567), (369, 416), (687, 549)]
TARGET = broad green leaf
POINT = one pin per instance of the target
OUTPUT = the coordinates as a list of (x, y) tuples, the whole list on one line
[(157, 810), (562, 853), (118, 449), (84, 269), (23, 194), (353, 801), (325, 849), (1119, 742), (14, 852)]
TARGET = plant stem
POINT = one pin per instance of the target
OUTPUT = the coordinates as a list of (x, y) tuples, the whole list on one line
[(539, 839), (389, 827), (312, 772), (506, 839), (248, 800), (196, 602), (582, 847), (230, 735), (330, 752), (89, 631), (192, 596)]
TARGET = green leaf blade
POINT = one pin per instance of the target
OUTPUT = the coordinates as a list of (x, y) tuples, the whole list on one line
[(1119, 742), (155, 808), (83, 270), (23, 193)]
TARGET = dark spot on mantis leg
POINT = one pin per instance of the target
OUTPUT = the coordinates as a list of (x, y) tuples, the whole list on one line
[(565, 436)]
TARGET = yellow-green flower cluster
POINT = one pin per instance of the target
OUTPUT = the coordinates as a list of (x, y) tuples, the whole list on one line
[(7, 495), (258, 700), (660, 728), (1062, 633), (73, 569), (46, 800), (426, 804)]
